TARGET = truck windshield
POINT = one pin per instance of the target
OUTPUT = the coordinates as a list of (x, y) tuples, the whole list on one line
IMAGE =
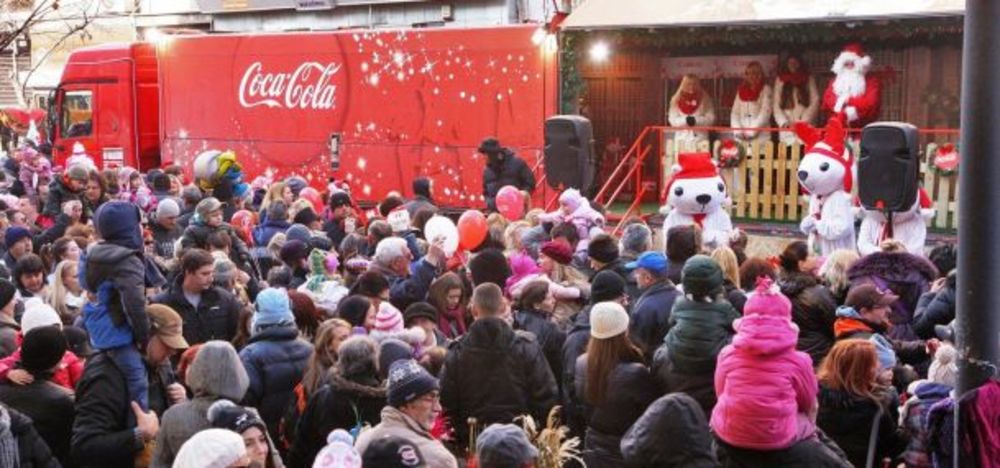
[(77, 114)]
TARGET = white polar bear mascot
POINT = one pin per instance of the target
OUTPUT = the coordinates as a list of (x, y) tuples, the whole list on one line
[(694, 195), (908, 227), (826, 172)]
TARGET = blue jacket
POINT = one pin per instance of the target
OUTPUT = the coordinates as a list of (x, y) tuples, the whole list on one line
[(414, 288), (98, 321), (275, 360), (650, 320), (262, 234)]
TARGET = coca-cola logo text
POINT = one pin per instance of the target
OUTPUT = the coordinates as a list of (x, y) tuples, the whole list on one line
[(310, 86)]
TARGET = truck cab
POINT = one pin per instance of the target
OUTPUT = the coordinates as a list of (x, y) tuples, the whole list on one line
[(107, 100)]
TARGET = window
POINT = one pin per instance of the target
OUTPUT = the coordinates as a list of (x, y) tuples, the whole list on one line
[(77, 114)]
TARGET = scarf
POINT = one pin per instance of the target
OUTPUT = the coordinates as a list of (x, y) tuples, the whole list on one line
[(798, 78), (9, 454), (699, 219), (750, 93), (688, 103), (452, 322)]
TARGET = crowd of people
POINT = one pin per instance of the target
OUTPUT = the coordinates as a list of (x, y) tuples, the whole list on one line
[(145, 321)]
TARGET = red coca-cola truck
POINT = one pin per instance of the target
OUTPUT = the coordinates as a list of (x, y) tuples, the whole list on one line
[(373, 108)]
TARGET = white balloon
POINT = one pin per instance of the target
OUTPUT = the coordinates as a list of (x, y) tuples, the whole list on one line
[(440, 226)]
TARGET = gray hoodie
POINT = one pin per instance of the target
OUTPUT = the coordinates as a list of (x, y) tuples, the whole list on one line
[(215, 373)]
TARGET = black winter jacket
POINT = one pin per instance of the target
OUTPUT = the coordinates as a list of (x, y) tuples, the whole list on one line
[(650, 319), (275, 359), (104, 424), (673, 431), (495, 374), (196, 235), (548, 335), (630, 390), (59, 193), (574, 347), (686, 360), (848, 420), (341, 404), (935, 309), (814, 311), (31, 448), (50, 408), (511, 170), (216, 317)]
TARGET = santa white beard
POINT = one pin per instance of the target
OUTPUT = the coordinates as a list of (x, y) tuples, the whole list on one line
[(850, 83)]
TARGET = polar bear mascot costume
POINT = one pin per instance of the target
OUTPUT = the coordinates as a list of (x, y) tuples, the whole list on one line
[(826, 172), (908, 227), (695, 195)]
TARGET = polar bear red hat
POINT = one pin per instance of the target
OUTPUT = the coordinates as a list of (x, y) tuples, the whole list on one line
[(695, 194), (827, 173)]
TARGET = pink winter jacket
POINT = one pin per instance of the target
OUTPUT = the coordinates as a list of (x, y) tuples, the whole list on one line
[(767, 389)]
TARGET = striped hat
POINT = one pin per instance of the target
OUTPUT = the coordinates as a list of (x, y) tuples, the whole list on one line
[(389, 319)]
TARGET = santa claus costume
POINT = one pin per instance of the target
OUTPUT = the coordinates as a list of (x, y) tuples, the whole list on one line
[(908, 227), (691, 106), (752, 106), (795, 98), (854, 94)]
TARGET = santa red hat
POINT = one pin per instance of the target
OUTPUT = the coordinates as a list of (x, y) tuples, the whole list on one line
[(692, 166), (829, 143), (854, 48)]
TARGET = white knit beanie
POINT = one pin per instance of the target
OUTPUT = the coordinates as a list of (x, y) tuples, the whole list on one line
[(211, 448), (608, 319), (38, 314)]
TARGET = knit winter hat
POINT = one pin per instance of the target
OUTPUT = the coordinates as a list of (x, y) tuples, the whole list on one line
[(701, 276), (7, 292), (293, 251), (38, 314), (388, 319), (606, 286), (225, 271), (419, 310), (391, 350), (277, 211), (339, 452), (225, 414), (206, 206), (298, 232), (886, 356), (296, 184), (42, 348), (944, 367), (767, 300), (339, 199), (167, 208), (305, 217), (559, 251), (393, 452), (273, 308), (504, 445), (571, 197), (15, 234), (211, 448), (78, 172), (489, 266), (603, 248), (408, 381), (608, 319)]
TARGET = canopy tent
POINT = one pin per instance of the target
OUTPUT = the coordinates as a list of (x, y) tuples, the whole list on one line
[(621, 14)]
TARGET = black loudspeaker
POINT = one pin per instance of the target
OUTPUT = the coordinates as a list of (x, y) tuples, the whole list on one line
[(569, 152), (889, 166)]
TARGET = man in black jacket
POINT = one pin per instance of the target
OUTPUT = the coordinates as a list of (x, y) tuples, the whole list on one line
[(503, 168), (109, 430), (209, 312), (651, 314), (493, 373)]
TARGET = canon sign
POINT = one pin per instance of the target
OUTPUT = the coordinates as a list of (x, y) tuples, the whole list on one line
[(310, 86)]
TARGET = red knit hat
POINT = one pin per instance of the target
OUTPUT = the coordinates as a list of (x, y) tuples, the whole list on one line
[(559, 251), (692, 166)]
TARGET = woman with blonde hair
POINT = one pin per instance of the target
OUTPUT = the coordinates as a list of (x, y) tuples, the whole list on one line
[(277, 191), (512, 237), (690, 106), (726, 259), (554, 260), (834, 272), (66, 295), (853, 405)]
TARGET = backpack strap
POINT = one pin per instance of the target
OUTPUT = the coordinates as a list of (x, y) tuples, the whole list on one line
[(873, 438)]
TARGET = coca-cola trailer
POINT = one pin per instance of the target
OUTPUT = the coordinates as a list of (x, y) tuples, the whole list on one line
[(374, 108)]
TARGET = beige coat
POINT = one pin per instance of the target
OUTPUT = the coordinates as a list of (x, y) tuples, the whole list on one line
[(396, 423)]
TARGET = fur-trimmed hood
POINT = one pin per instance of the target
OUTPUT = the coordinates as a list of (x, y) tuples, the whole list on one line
[(894, 266), (362, 386)]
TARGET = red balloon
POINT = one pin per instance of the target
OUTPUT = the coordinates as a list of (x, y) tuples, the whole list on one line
[(510, 203), (472, 229), (313, 197)]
